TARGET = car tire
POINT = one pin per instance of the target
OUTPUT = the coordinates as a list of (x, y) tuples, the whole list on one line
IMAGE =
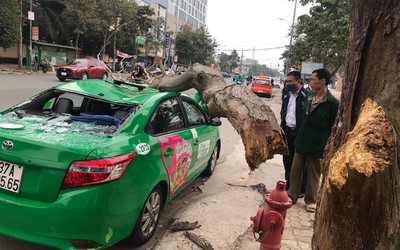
[(85, 76), (61, 79), (148, 218), (212, 162), (104, 77)]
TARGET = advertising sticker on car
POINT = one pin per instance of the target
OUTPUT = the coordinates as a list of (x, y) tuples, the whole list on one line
[(10, 176), (204, 147)]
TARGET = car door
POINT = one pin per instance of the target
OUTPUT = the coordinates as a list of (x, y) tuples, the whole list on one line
[(204, 138), (175, 142), (92, 69)]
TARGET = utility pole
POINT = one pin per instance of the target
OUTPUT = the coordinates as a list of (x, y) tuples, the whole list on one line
[(291, 37), (30, 38), (20, 37), (241, 63)]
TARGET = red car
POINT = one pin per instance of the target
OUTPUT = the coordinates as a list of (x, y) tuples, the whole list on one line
[(82, 68), (261, 86)]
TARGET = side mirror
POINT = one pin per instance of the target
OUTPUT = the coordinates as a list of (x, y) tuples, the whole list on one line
[(216, 121)]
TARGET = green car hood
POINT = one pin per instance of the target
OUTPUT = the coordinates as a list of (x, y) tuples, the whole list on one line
[(45, 150)]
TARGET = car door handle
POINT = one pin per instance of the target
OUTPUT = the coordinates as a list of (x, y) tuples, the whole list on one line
[(169, 152)]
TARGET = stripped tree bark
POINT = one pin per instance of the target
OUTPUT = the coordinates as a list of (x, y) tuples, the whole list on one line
[(248, 114), (359, 199)]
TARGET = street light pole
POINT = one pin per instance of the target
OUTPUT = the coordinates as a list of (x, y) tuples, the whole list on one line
[(291, 30), (30, 40)]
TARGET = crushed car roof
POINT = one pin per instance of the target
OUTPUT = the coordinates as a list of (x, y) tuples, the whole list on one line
[(116, 91)]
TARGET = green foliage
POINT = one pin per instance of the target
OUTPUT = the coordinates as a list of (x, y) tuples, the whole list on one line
[(322, 36), (234, 60), (9, 23), (223, 60), (262, 69), (81, 16), (144, 24), (52, 27), (195, 46)]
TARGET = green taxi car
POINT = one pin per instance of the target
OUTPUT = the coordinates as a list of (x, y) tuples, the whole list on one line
[(87, 164)]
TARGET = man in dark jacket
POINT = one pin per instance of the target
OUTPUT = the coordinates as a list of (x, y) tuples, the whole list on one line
[(320, 109), (291, 115)]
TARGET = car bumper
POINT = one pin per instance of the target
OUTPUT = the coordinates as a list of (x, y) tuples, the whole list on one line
[(69, 75), (262, 92), (99, 214)]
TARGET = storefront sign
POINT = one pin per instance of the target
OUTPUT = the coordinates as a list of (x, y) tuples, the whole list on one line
[(35, 33)]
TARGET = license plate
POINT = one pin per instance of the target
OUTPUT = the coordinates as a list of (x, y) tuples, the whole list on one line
[(10, 176), (63, 73), (260, 91)]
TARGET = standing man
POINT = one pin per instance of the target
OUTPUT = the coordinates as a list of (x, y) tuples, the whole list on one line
[(319, 114), (291, 115)]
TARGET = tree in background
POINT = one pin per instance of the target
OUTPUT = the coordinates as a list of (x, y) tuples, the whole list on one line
[(322, 35), (9, 23), (81, 16), (223, 61), (234, 60), (52, 27), (139, 24), (195, 46)]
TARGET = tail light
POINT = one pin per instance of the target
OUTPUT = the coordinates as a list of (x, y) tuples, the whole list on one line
[(91, 172)]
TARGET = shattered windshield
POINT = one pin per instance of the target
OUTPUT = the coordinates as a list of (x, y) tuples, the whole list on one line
[(66, 112), (56, 124)]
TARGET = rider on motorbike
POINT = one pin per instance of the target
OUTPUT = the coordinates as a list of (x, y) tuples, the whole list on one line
[(239, 79)]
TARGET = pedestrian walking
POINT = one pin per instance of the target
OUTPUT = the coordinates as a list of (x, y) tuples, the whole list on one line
[(291, 116), (320, 109)]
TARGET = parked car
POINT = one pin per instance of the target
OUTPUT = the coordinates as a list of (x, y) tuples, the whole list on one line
[(82, 68), (88, 163), (261, 86)]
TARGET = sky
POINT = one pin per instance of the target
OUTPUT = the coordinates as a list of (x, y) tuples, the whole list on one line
[(253, 25)]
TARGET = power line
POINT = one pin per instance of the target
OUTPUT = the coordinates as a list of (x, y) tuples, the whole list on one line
[(281, 47)]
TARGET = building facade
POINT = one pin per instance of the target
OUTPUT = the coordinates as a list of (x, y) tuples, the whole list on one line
[(180, 13)]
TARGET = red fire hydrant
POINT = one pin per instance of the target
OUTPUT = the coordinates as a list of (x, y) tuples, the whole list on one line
[(269, 224)]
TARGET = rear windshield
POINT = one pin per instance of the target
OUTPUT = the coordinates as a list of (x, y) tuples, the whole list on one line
[(62, 112), (262, 82)]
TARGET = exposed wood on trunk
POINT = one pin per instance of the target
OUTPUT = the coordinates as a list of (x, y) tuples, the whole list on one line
[(248, 114), (359, 199)]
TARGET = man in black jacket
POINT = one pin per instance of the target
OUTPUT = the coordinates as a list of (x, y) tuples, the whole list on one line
[(291, 115)]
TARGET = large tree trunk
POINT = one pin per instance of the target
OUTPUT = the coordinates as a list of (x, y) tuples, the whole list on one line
[(248, 114), (359, 198)]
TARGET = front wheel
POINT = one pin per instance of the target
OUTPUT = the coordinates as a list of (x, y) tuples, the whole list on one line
[(212, 162), (147, 220), (85, 76)]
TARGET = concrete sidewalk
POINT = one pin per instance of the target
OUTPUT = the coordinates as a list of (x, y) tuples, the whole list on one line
[(13, 69), (224, 209)]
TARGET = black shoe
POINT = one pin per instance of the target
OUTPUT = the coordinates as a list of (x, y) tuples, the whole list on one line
[(301, 195)]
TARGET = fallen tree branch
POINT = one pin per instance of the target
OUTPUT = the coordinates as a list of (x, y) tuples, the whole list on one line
[(198, 240), (249, 115), (183, 226)]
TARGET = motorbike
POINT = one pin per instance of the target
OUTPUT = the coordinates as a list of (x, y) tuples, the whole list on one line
[(44, 66), (239, 80)]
